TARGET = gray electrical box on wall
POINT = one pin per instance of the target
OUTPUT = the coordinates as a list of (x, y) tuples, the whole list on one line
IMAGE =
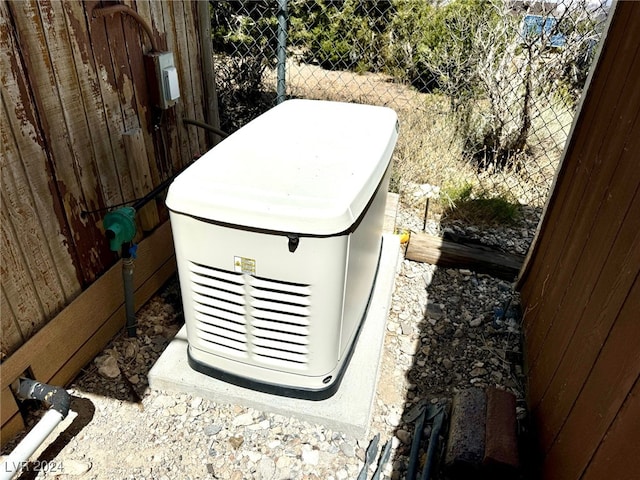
[(162, 75)]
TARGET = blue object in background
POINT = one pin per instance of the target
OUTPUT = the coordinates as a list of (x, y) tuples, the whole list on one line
[(537, 27)]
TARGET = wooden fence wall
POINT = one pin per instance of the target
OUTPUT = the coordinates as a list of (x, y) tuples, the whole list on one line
[(581, 285), (78, 133)]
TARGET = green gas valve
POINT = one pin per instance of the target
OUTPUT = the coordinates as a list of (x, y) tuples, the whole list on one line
[(120, 227)]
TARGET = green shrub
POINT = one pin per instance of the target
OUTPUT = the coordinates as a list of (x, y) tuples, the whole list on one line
[(340, 35)]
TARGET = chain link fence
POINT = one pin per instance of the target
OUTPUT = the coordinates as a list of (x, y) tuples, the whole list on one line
[(485, 90)]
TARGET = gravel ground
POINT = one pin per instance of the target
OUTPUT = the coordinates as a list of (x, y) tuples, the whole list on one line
[(447, 330)]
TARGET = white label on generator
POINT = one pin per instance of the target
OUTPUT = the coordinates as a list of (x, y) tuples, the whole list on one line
[(244, 265)]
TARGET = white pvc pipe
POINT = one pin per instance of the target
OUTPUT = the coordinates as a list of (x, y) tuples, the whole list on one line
[(19, 457)]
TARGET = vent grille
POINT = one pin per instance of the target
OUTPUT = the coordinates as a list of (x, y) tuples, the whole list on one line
[(251, 318)]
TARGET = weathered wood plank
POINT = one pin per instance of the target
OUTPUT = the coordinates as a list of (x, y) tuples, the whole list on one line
[(10, 411), (16, 281), (427, 248), (58, 341), (211, 112), (110, 97), (578, 187), (167, 138), (53, 77), (11, 335), (89, 84), (593, 316), (141, 175), (137, 45), (608, 385), (25, 161), (182, 136), (31, 240), (617, 456), (194, 57)]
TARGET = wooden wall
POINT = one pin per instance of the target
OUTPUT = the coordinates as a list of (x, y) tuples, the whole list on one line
[(581, 285), (72, 85)]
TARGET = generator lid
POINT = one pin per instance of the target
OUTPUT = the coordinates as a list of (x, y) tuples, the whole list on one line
[(305, 166)]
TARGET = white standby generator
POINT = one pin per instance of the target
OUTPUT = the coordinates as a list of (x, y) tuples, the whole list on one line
[(278, 234)]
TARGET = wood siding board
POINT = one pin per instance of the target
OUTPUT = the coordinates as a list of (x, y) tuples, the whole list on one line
[(146, 120), (617, 455), (538, 265), (610, 381), (137, 45), (69, 90), (23, 141), (569, 210), (194, 57), (143, 182), (23, 223), (11, 335), (56, 95), (110, 97), (592, 323), (208, 71), (105, 164), (32, 241), (165, 130), (12, 422), (52, 346), (8, 404), (182, 135), (16, 280), (593, 232), (110, 47)]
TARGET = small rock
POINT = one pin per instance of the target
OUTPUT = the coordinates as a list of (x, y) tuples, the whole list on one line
[(435, 310), (134, 379), (446, 363), (243, 420), (75, 467), (310, 456), (406, 328), (478, 372), (476, 322), (349, 449), (236, 442), (108, 366), (212, 429), (130, 350), (266, 469), (404, 436), (393, 419)]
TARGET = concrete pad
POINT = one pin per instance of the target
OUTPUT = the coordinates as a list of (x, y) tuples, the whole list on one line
[(348, 411)]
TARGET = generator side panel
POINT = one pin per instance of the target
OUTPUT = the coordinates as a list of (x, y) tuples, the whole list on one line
[(365, 244), (253, 306)]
